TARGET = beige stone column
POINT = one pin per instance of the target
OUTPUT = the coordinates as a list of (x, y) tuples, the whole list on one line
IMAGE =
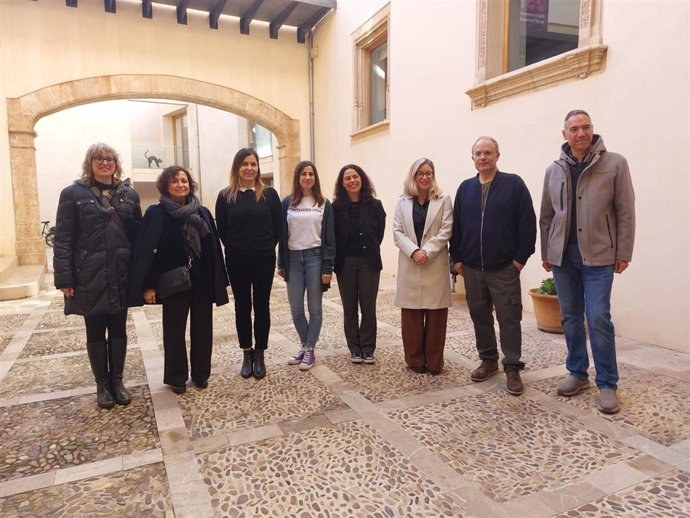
[(29, 243)]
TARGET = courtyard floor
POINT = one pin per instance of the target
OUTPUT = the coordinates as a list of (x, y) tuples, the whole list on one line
[(341, 440)]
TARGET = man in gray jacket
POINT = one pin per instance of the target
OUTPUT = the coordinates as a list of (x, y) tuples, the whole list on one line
[(587, 225)]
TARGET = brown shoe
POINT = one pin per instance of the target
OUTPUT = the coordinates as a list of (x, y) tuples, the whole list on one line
[(487, 369), (514, 384)]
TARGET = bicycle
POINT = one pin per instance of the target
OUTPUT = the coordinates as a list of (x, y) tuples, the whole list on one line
[(48, 233)]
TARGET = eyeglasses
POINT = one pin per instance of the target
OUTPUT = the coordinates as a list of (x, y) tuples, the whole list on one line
[(419, 174), (106, 159)]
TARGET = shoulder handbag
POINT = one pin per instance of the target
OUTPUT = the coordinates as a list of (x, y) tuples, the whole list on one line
[(177, 280)]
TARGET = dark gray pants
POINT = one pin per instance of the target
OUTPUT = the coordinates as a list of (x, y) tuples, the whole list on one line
[(500, 289), (359, 287)]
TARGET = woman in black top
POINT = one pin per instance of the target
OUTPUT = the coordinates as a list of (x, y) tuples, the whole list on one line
[(180, 231), (248, 214), (97, 220), (360, 222)]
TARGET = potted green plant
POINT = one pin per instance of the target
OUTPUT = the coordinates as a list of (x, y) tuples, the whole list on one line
[(547, 310)]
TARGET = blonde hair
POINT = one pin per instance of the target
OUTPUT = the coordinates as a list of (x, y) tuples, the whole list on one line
[(410, 186), (234, 184), (97, 149)]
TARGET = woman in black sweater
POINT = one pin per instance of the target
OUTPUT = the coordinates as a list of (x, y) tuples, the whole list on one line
[(360, 222), (248, 214)]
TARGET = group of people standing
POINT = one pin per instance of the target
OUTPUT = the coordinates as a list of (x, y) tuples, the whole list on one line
[(108, 258)]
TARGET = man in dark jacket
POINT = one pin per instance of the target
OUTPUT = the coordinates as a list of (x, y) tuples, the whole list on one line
[(494, 232), (587, 224)]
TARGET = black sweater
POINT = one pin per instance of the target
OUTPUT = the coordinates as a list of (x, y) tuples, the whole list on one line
[(247, 227)]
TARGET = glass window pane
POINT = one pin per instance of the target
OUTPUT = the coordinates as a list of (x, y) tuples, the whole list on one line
[(540, 29), (378, 58)]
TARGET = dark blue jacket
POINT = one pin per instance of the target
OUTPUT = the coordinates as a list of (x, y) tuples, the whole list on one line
[(506, 231)]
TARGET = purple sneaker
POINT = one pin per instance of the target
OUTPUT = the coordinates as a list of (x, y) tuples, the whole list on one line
[(297, 358), (308, 360)]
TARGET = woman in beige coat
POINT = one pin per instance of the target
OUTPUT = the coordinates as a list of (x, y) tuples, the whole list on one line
[(422, 226)]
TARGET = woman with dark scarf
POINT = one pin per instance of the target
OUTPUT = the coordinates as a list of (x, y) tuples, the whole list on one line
[(179, 231)]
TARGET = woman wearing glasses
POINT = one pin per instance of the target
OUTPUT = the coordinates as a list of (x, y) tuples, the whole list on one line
[(305, 258), (97, 221), (422, 226)]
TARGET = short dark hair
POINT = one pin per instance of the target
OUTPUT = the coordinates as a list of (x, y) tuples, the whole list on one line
[(171, 172), (367, 194), (572, 113)]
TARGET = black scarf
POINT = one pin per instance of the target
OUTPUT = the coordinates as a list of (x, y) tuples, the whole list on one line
[(193, 227)]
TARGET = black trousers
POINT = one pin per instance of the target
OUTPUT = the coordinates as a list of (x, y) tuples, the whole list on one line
[(500, 289), (251, 280), (176, 308), (359, 287), (97, 325)]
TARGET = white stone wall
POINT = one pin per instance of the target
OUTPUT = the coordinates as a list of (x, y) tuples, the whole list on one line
[(639, 103)]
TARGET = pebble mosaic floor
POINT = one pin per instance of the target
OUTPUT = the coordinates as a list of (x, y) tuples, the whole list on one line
[(341, 440)]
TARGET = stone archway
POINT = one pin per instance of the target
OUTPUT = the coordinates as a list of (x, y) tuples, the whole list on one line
[(23, 113)]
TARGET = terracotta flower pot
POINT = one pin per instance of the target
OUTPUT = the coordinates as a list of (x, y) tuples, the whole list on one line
[(547, 311)]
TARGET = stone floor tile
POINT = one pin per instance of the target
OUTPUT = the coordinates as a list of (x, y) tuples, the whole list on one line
[(141, 492), (510, 446), (231, 403), (667, 495), (11, 322), (44, 343), (4, 341), (643, 395), (39, 437), (344, 471), (389, 377), (64, 373)]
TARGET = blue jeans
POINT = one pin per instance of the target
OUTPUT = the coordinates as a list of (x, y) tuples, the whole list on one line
[(587, 290), (305, 275)]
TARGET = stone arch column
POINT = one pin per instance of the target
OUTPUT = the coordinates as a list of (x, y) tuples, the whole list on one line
[(23, 113)]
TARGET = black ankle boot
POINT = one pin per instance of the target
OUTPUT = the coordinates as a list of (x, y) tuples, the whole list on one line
[(247, 369), (117, 351), (98, 357), (259, 365)]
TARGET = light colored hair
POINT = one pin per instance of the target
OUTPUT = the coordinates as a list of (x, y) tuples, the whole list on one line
[(410, 186), (99, 149), (234, 185)]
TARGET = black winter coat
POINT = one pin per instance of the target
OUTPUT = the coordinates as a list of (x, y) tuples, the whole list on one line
[(146, 268), (92, 252), (371, 225)]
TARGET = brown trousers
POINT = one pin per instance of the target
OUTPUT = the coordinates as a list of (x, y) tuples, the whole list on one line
[(424, 337)]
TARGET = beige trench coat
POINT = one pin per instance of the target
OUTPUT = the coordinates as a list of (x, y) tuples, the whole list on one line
[(426, 286)]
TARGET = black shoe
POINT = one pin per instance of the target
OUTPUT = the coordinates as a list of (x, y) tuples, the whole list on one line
[(259, 366), (201, 384), (247, 368), (419, 369), (356, 358), (179, 389), (104, 398), (368, 358)]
